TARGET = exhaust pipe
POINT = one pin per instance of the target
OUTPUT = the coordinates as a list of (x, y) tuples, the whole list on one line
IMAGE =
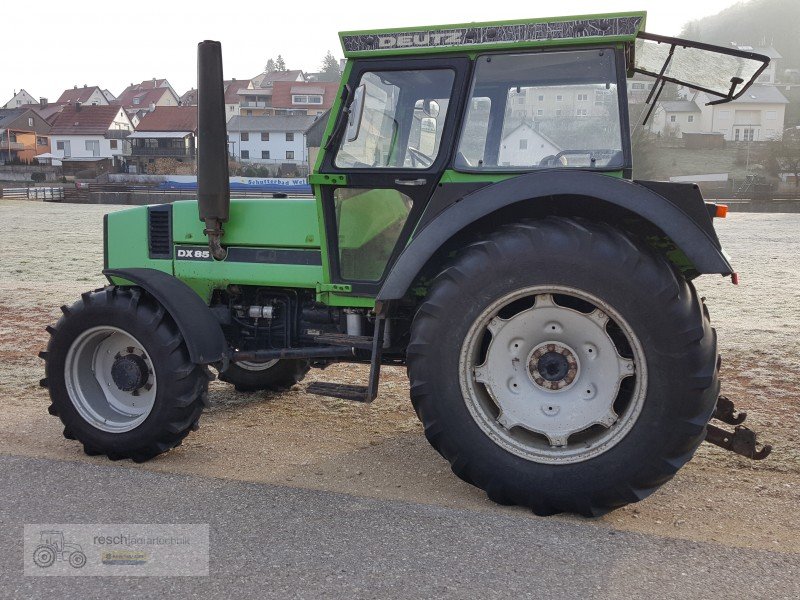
[(213, 188)]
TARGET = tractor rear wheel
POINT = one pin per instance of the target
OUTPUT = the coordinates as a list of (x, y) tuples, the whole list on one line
[(120, 377), (275, 375), (559, 365)]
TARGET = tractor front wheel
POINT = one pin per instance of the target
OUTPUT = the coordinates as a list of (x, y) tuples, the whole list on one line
[(559, 365), (120, 377)]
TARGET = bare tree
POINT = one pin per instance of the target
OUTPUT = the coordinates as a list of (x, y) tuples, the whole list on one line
[(785, 154)]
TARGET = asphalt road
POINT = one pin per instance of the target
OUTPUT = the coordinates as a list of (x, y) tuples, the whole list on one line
[(276, 542)]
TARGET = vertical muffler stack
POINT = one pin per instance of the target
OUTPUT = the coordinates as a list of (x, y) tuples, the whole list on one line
[(213, 189)]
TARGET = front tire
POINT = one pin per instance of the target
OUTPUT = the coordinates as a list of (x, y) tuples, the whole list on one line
[(504, 358), (120, 377)]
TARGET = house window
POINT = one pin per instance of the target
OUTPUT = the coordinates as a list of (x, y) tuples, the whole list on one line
[(93, 146), (30, 121), (539, 112), (582, 112), (64, 147), (583, 97), (265, 154), (265, 136), (245, 136), (673, 118), (541, 98), (523, 144), (306, 99), (521, 100), (290, 137), (113, 144), (290, 154), (690, 119), (41, 141), (558, 112), (559, 98), (637, 86), (602, 97), (245, 154), (136, 100)]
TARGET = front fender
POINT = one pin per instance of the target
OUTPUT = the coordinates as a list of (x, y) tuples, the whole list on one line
[(698, 244), (201, 331)]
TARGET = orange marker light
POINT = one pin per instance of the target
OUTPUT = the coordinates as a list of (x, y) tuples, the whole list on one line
[(722, 211)]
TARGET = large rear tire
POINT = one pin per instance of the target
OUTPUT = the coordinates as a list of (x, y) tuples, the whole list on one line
[(561, 366), (120, 377)]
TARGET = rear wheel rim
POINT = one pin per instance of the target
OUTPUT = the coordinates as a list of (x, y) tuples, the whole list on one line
[(553, 374), (110, 379)]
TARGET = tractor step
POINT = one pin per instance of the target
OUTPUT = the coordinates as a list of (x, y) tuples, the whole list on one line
[(362, 342), (357, 393)]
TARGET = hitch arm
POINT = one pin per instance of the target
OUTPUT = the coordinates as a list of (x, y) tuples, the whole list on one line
[(742, 441)]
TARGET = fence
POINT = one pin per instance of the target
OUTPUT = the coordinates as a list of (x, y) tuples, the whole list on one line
[(46, 194)]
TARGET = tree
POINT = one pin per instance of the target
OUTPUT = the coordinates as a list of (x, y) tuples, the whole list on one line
[(270, 66), (329, 64), (280, 65), (785, 153)]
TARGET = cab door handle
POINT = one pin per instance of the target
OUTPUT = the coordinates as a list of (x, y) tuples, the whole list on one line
[(420, 181)]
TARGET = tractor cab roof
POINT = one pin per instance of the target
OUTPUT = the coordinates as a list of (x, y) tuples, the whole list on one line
[(723, 72), (524, 33)]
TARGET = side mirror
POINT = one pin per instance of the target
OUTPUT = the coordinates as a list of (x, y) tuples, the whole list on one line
[(429, 108), (355, 114), (427, 136)]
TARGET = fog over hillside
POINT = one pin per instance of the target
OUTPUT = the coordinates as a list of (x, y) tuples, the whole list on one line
[(757, 23)]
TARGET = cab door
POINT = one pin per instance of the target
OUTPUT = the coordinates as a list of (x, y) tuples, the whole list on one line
[(392, 148)]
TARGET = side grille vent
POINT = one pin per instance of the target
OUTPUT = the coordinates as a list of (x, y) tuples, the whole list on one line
[(159, 231)]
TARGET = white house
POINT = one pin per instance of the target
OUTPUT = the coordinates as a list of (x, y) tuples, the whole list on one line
[(21, 98), (756, 116), (673, 118), (269, 139), (91, 132), (523, 145)]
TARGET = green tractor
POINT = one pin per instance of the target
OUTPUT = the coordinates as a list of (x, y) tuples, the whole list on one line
[(474, 219)]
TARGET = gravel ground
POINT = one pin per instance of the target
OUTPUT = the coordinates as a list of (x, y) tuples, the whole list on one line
[(378, 450)]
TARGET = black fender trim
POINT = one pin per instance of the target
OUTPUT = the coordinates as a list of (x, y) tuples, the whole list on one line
[(700, 246), (202, 332)]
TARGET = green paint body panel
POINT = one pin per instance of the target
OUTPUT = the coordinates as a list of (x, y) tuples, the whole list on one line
[(127, 241), (277, 223)]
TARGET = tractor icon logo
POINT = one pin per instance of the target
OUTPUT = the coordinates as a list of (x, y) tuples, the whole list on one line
[(52, 548)]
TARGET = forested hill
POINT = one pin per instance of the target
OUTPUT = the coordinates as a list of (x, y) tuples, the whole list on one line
[(756, 23)]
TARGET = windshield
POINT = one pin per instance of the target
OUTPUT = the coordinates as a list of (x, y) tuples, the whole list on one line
[(543, 110), (699, 66)]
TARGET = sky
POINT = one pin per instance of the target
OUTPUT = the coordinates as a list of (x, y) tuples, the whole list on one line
[(111, 44)]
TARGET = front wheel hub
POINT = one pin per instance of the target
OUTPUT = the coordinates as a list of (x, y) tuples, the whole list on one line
[(129, 372)]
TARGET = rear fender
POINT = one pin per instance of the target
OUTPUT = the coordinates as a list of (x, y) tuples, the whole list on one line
[(673, 211)]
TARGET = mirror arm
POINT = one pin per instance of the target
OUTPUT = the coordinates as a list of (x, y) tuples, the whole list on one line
[(347, 98)]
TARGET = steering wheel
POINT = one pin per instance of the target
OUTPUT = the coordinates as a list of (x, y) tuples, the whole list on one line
[(419, 157)]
